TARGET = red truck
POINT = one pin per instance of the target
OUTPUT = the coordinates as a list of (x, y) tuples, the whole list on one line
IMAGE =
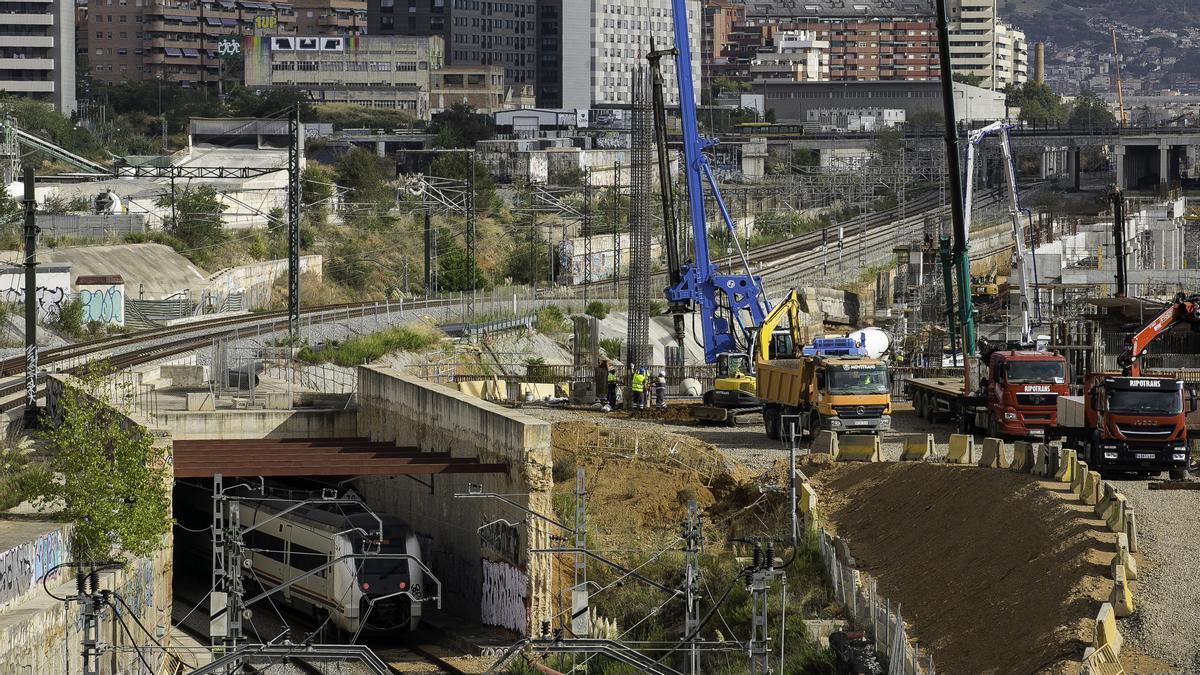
[(1128, 423), (1018, 395)]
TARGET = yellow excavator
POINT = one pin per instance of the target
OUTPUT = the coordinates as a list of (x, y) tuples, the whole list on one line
[(735, 389)]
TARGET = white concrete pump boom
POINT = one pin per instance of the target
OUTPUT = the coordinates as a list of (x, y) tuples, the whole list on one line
[(1014, 212)]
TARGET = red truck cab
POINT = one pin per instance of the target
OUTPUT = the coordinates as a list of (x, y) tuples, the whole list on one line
[(1022, 390), (1136, 423)]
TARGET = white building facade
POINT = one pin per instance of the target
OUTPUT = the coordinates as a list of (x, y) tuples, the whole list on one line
[(37, 51), (798, 56), (606, 41), (984, 46)]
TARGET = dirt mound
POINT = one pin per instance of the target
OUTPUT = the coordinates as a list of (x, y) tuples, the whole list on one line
[(639, 482), (995, 573)]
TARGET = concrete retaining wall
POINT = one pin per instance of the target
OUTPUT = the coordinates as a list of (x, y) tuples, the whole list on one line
[(259, 424), (254, 281), (488, 575)]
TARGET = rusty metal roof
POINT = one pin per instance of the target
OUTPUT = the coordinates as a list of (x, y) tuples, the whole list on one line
[(315, 457)]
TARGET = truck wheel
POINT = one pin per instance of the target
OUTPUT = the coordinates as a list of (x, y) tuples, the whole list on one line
[(771, 421), (1179, 474), (814, 424)]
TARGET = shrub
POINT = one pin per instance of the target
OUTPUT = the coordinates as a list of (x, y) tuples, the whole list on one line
[(550, 320), (597, 309), (612, 347), (367, 348)]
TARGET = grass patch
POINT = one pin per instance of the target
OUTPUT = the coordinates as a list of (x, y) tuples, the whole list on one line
[(612, 347), (551, 320), (17, 470), (367, 348)]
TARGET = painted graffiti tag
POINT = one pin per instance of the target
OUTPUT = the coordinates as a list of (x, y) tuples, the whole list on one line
[(503, 540), (505, 590), (26, 564), (106, 305), (50, 301)]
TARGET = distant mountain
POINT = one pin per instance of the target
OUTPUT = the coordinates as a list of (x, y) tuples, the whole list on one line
[(1076, 21)]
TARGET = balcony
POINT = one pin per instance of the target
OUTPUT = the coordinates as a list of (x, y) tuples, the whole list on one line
[(26, 64), (173, 44), (27, 86), (26, 19)]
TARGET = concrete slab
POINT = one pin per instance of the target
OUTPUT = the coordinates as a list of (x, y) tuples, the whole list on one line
[(961, 450), (17, 532)]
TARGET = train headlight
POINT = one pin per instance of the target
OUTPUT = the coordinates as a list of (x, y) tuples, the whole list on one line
[(403, 585), (1179, 457), (1110, 455), (366, 586)]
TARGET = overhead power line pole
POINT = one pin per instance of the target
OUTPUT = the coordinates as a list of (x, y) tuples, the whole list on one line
[(294, 157), (31, 349)]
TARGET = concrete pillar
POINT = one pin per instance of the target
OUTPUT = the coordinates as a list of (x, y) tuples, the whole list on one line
[(1076, 155), (380, 148), (1164, 163), (1118, 158), (1045, 167)]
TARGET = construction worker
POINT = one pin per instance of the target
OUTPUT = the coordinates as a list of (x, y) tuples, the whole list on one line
[(660, 390), (612, 387), (637, 384)]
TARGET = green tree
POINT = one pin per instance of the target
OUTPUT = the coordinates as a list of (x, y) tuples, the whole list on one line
[(968, 78), (454, 267), (527, 262), (107, 477), (275, 103), (1039, 105), (463, 166), (364, 175), (460, 126), (1089, 111), (195, 217), (728, 84)]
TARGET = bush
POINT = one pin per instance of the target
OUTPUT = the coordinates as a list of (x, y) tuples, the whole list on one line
[(69, 321), (367, 348), (612, 347), (597, 309), (550, 320)]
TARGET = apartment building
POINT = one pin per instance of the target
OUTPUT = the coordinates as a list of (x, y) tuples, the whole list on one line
[(475, 32), (37, 51), (796, 55), (604, 43), (178, 40), (983, 46), (393, 72)]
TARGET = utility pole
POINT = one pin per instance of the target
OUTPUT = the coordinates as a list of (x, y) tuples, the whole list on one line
[(581, 618), (31, 349), (693, 538), (294, 225), (428, 251), (616, 214), (759, 576), (471, 234), (87, 595), (587, 232)]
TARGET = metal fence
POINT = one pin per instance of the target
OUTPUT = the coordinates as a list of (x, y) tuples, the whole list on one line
[(856, 592)]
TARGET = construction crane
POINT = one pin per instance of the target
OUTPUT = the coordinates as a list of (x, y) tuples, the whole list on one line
[(730, 307), (1015, 212), (1183, 309), (1122, 116)]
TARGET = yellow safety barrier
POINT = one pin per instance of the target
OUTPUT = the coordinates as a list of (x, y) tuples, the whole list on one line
[(1066, 466), (826, 443), (1022, 459), (858, 448), (917, 447), (1122, 597), (537, 391), (962, 449), (1091, 488), (1115, 517), (485, 389), (1125, 557), (992, 450), (1106, 630), (808, 502), (1079, 479)]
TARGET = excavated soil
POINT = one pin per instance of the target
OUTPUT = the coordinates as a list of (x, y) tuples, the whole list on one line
[(995, 572)]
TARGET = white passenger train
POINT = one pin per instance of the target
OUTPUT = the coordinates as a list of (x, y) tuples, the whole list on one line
[(303, 540)]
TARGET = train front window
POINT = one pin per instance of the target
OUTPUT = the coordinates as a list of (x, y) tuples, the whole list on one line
[(385, 574)]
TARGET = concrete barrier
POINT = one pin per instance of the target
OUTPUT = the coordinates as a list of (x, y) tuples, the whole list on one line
[(961, 450), (1131, 528), (1091, 488), (488, 390), (917, 448), (1122, 597), (825, 443), (1115, 517), (1106, 497), (1066, 465), (1106, 630), (1022, 457), (1041, 461), (808, 503), (1078, 480), (858, 448), (990, 456), (1125, 558)]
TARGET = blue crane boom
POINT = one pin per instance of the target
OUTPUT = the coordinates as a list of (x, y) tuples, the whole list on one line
[(699, 284)]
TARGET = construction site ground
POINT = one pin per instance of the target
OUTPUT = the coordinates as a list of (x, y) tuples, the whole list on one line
[(997, 573)]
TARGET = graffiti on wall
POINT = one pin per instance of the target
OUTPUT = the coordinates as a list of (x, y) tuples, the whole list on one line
[(105, 304), (501, 540), (24, 565), (50, 301), (505, 594)]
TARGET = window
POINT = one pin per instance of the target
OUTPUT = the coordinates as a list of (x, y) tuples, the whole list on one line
[(307, 559), (122, 51)]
